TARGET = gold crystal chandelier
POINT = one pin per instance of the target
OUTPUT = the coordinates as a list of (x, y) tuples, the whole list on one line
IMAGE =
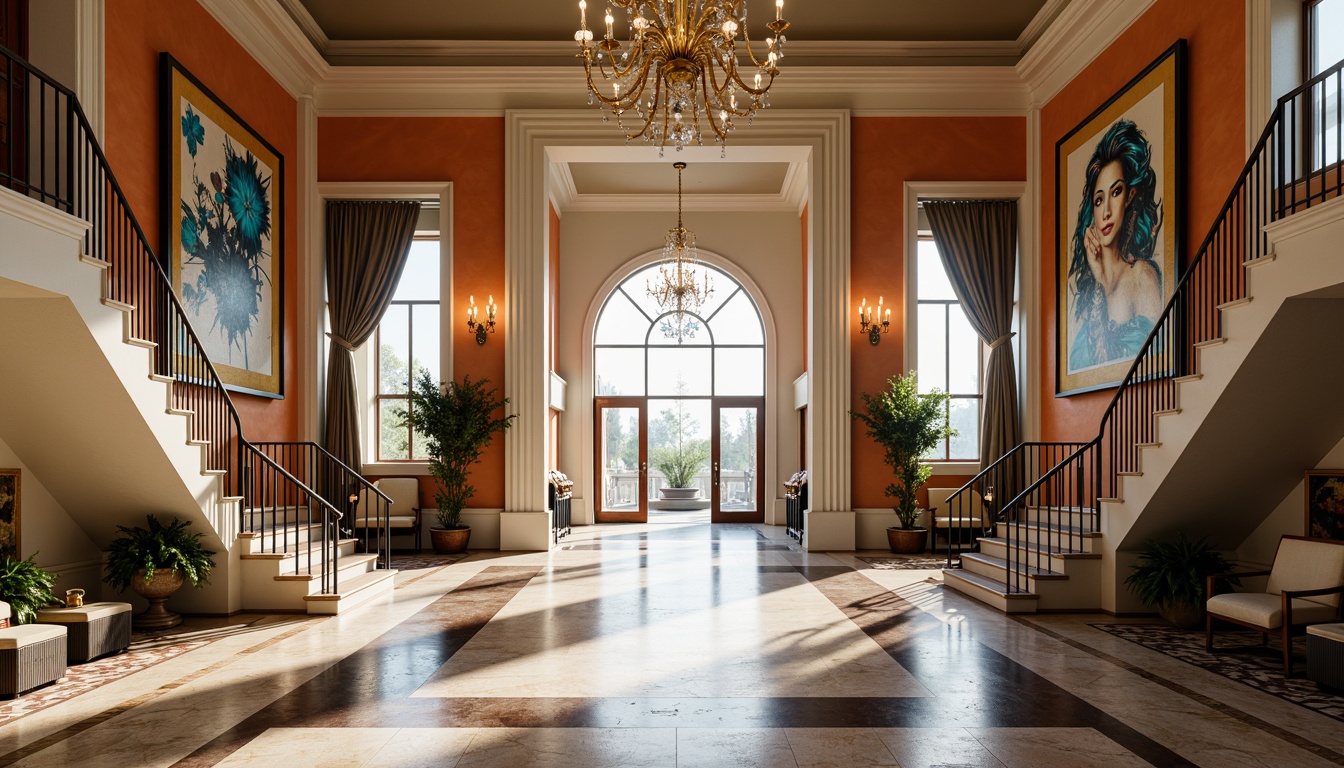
[(676, 290), (680, 67)]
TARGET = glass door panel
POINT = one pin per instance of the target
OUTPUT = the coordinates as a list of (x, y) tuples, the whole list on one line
[(737, 461), (621, 461)]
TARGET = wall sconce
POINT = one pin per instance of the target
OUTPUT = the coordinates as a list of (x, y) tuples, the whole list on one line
[(874, 328), (484, 326)]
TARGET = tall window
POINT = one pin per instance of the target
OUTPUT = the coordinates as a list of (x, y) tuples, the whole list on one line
[(949, 356), (408, 345), (1324, 48)]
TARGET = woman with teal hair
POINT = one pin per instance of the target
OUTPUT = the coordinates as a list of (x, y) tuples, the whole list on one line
[(1114, 279)]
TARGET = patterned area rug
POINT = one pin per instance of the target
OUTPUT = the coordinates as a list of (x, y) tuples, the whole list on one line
[(1240, 657), (417, 560), (909, 562)]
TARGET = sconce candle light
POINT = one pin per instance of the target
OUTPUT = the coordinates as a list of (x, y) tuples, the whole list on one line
[(484, 326), (874, 327)]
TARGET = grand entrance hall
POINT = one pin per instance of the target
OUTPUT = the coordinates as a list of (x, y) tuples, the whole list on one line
[(666, 645)]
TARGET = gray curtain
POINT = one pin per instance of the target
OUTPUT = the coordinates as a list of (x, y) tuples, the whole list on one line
[(367, 247), (978, 243)]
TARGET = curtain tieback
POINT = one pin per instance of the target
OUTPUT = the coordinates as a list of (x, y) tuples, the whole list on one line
[(995, 344), (341, 341)]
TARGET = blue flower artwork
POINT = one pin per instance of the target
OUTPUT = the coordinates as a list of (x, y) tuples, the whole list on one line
[(223, 235)]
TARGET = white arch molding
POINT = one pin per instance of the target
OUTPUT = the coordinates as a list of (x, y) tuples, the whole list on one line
[(533, 137), (588, 482)]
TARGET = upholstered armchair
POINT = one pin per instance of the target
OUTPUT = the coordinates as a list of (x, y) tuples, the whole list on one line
[(405, 512), (1304, 587)]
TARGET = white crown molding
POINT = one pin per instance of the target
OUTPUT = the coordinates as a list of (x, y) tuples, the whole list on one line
[(274, 40), (305, 21), (1039, 24), (1082, 30), (693, 203)]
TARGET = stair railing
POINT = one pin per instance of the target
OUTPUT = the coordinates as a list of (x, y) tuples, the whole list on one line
[(1295, 164), (981, 497), (49, 152), (367, 509)]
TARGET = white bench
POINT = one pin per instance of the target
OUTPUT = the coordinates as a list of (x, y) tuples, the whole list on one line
[(30, 655)]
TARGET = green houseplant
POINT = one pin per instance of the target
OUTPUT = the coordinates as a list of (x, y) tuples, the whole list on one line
[(26, 587), (457, 421), (1172, 577), (908, 426), (155, 561), (684, 455)]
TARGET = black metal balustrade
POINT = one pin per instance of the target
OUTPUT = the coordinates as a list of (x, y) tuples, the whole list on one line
[(560, 493), (795, 503), (48, 152), (1296, 164)]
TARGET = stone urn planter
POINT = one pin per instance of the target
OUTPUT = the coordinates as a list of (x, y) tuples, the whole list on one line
[(679, 494), (449, 541), (907, 541), (157, 589)]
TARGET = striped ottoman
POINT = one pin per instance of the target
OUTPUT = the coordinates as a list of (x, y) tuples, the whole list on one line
[(96, 629), (30, 655), (1325, 654)]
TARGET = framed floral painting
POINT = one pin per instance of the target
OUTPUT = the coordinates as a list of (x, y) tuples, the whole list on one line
[(222, 232), (1118, 213), (1325, 504), (9, 513)]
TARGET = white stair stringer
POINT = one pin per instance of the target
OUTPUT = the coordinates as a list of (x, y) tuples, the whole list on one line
[(1263, 405), (281, 567), (1059, 564), (82, 386)]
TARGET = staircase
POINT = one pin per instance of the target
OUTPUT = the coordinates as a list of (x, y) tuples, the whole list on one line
[(96, 336), (1231, 396)]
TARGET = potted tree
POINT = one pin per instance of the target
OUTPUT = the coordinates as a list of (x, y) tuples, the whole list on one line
[(908, 426), (457, 421), (155, 562), (1173, 576), (684, 455), (26, 587)]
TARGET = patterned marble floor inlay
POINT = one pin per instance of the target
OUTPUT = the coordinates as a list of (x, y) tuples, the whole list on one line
[(1240, 657), (907, 562)]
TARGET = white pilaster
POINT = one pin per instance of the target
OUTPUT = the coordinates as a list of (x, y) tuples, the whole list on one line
[(310, 354)]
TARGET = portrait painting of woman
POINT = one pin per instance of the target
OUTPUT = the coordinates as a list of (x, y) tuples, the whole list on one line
[(1117, 234)]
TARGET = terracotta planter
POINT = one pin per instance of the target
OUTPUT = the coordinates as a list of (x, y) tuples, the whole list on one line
[(156, 590), (907, 541), (449, 541)]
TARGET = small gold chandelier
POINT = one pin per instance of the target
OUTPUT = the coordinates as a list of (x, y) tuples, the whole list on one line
[(675, 289), (688, 49)]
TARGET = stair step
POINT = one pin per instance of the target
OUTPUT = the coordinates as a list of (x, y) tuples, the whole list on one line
[(121, 305), (1235, 302), (1210, 343), (989, 591), (1067, 530), (134, 342), (355, 562), (99, 263), (353, 592), (161, 378), (1168, 412), (1130, 473), (999, 564), (1147, 445), (1068, 554), (1188, 378), (1267, 258)]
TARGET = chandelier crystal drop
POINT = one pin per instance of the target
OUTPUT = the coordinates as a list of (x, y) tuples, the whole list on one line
[(681, 287), (678, 71)]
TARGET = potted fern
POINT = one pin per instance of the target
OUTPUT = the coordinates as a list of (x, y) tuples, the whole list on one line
[(155, 562), (908, 426), (458, 422), (1173, 578), (26, 587)]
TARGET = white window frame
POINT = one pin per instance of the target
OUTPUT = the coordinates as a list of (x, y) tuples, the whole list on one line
[(431, 193), (1026, 315)]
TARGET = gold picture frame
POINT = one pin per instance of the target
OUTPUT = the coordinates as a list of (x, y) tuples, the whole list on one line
[(1324, 491), (11, 505), (223, 233), (1118, 203)]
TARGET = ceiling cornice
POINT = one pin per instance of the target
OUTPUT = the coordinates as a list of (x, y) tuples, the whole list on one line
[(1082, 30), (1074, 31)]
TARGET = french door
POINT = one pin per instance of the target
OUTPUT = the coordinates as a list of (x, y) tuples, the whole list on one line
[(732, 476)]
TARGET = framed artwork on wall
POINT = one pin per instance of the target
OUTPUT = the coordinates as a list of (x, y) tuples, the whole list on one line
[(1118, 203), (222, 232), (1325, 504), (10, 505)]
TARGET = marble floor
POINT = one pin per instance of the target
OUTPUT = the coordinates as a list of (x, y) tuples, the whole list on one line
[(680, 644)]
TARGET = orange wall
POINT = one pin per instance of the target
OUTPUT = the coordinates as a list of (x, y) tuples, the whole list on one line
[(885, 153), (469, 152), (1215, 153), (137, 31)]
